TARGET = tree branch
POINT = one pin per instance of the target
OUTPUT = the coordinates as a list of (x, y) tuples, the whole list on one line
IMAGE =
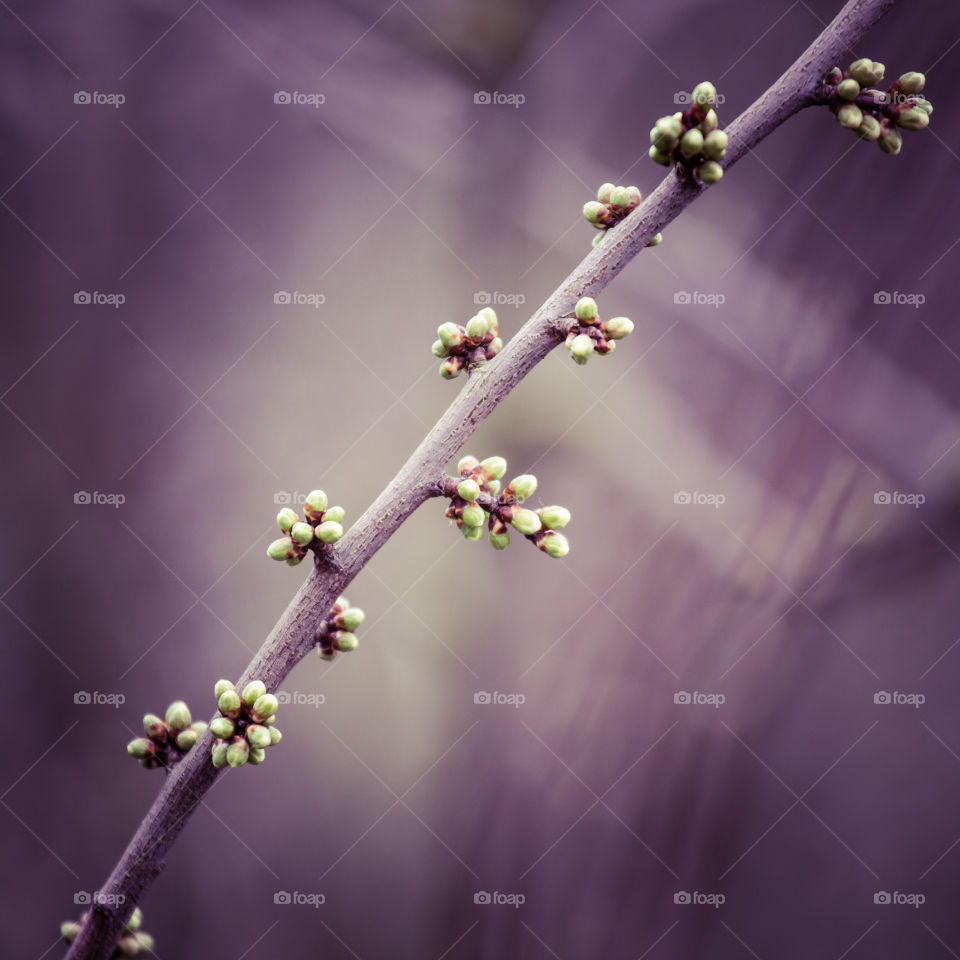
[(292, 638)]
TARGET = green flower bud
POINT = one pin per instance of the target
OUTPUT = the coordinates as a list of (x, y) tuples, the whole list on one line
[(500, 541), (913, 119), (301, 533), (477, 327), (471, 533), (554, 518), (468, 489), (597, 240), (253, 691), (554, 544), (178, 716), (848, 89), (586, 309), (282, 549), (334, 513), (925, 105), (593, 211), (70, 930), (656, 240), (866, 72), (315, 504), (286, 518), (140, 748), (467, 465), (704, 94), (439, 350), (229, 703), (222, 728), (351, 619), (186, 739), (710, 171), (127, 947), (605, 192), (581, 347), (691, 143), (473, 516), (493, 487), (657, 156), (709, 123), (620, 197), (294, 561), (450, 335), (634, 195), (275, 736), (850, 116), (265, 706), (496, 344), (493, 468), (329, 531), (238, 753), (490, 315), (869, 128), (666, 133), (890, 140), (136, 919), (715, 145), (219, 754), (221, 687), (199, 727), (604, 348), (145, 941), (911, 83), (256, 755), (525, 521), (523, 486), (451, 369), (617, 328), (258, 736), (345, 641)]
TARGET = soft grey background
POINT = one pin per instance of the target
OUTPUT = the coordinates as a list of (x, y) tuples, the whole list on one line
[(199, 399)]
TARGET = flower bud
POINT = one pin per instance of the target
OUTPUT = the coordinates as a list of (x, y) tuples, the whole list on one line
[(135, 920), (617, 328), (351, 619), (490, 315), (709, 123), (256, 755), (473, 516), (253, 691), (913, 119), (141, 747), (222, 728), (265, 706), (315, 504), (258, 736), (656, 240), (70, 930), (186, 739), (912, 82), (657, 156), (604, 348), (468, 489), (238, 753), (471, 533), (178, 716), (523, 487), (869, 128), (477, 327), (493, 487), (605, 192), (294, 561), (329, 531), (620, 197), (525, 521), (496, 344), (850, 116), (586, 309), (691, 143), (301, 533), (439, 350), (345, 641), (554, 544), (925, 105), (199, 727), (715, 145), (666, 133), (229, 703), (467, 465), (286, 518), (145, 941), (493, 468), (554, 518), (634, 195), (275, 736), (450, 334), (334, 513), (866, 72), (219, 754), (581, 347), (282, 549), (593, 211), (500, 541), (221, 687), (710, 171), (848, 89), (890, 141), (451, 369), (704, 93)]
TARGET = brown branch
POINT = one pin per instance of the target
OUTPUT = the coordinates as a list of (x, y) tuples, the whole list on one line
[(292, 637)]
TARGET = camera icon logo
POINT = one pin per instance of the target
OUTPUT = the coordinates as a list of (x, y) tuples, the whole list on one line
[(481, 896), (81, 96), (282, 896), (282, 296), (282, 96), (681, 696), (82, 898), (82, 296), (882, 296), (282, 498), (682, 297), (481, 696), (681, 98), (681, 896), (881, 696), (482, 298), (882, 496), (82, 696), (283, 696), (481, 96), (682, 496), (82, 496), (881, 896)]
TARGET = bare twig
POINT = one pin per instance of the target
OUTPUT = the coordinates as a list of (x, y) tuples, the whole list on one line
[(292, 637)]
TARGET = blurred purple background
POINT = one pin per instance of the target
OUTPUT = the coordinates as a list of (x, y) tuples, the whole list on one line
[(398, 202)]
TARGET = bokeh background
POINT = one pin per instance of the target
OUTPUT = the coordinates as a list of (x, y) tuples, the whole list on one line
[(783, 786)]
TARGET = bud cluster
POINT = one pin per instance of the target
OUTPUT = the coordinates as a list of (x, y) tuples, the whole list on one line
[(477, 500), (245, 727), (588, 334), (691, 138), (474, 342), (335, 632), (322, 525), (132, 943), (874, 114), (166, 740)]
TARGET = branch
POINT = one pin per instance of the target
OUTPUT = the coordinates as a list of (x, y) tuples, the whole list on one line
[(293, 636)]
